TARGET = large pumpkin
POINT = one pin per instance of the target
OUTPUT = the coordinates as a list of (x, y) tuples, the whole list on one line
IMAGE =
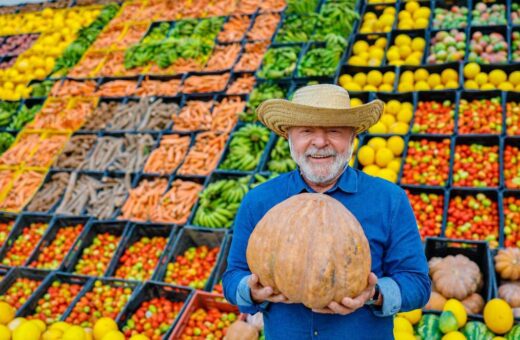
[(312, 249)]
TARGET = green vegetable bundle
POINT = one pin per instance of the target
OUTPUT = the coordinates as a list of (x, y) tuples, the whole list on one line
[(264, 91), (337, 18), (157, 34), (7, 112), (42, 89), (6, 139), (296, 28), (279, 62), (301, 6), (323, 61), (24, 116), (246, 148)]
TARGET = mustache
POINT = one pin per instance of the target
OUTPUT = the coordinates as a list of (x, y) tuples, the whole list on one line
[(315, 152)]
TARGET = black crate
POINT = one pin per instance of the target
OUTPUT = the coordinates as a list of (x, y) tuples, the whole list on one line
[(440, 97), (508, 141), (221, 267), (18, 273)]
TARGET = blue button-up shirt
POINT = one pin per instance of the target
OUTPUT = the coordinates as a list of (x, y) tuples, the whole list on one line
[(384, 211)]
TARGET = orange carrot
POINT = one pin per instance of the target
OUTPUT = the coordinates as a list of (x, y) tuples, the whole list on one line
[(117, 88), (159, 87), (234, 29), (24, 187), (175, 205), (272, 6), (195, 115), (85, 67), (143, 199), (6, 176), (252, 58), (205, 154), (242, 85), (248, 6), (225, 114), (107, 37), (132, 36), (21, 150), (167, 157), (223, 57), (205, 84), (47, 151), (73, 88), (264, 27), (114, 66)]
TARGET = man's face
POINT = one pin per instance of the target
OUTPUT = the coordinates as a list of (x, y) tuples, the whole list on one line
[(321, 153)]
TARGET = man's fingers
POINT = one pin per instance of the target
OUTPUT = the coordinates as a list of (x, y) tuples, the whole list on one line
[(253, 281), (323, 311), (277, 298), (339, 309), (372, 279), (353, 303)]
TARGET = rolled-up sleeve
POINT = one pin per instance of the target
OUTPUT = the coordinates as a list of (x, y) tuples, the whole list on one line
[(405, 262), (234, 280)]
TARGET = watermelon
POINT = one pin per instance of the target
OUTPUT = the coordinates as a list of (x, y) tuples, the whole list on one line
[(476, 330), (448, 322), (514, 333), (428, 327)]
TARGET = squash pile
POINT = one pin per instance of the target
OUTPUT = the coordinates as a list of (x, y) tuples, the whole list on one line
[(456, 277), (507, 266)]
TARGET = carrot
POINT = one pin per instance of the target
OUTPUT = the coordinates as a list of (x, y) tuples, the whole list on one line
[(130, 12), (252, 58), (6, 176), (220, 8), (205, 154), (159, 87), (264, 27), (205, 84), (107, 37), (24, 187), (181, 65), (242, 85), (133, 35), (22, 149), (73, 88), (47, 150), (225, 114), (143, 199), (117, 88), (272, 6), (195, 115), (248, 6), (114, 66), (86, 66), (235, 29), (223, 57), (57, 117), (176, 204), (167, 157)]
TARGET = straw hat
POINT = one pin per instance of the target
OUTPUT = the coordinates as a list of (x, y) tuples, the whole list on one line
[(323, 105)]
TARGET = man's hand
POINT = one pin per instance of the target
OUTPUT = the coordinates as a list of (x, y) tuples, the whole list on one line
[(349, 305), (260, 294)]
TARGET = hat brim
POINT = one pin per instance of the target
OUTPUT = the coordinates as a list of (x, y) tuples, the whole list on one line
[(279, 115)]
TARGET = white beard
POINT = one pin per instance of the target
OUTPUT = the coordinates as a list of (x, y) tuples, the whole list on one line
[(321, 174)]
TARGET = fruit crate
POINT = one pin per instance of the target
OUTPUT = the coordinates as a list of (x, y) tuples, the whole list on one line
[(23, 221), (299, 49), (216, 285), (438, 97), (505, 196), (135, 233), (371, 39), (104, 101), (183, 102), (486, 30), (7, 223), (353, 70), (486, 140), (256, 97), (470, 96), (201, 300), (11, 277), (476, 251), (489, 3), (89, 287), (508, 98), (193, 237), (420, 212), (322, 78), (513, 142), (58, 224), (433, 69), (130, 91), (412, 33), (93, 229), (498, 279), (487, 68), (149, 291), (30, 306), (378, 10), (407, 97)]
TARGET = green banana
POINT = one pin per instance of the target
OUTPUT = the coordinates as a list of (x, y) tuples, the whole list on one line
[(246, 148)]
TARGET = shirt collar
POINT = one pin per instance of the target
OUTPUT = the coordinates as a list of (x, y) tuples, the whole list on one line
[(347, 183)]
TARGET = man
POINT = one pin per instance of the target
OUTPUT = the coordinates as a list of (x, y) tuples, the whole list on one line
[(321, 126)]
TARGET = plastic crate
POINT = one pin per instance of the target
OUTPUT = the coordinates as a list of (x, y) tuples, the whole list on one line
[(222, 265), (21, 273), (299, 51), (513, 142), (438, 68), (57, 224), (10, 219), (439, 97), (193, 237), (476, 251), (201, 300), (412, 33), (94, 228), (149, 291), (418, 190)]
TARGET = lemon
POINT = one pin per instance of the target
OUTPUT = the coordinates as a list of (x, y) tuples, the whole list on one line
[(352, 87), (384, 156), (376, 53), (369, 88), (407, 76), (481, 78), (418, 44), (387, 174), (412, 60), (497, 76), (396, 145), (405, 87), (386, 88), (455, 335), (27, 331), (402, 40), (452, 85), (360, 78), (366, 155), (457, 308), (386, 20), (360, 46), (393, 107), (405, 24), (498, 316), (40, 324), (407, 106), (403, 336), (395, 165), (405, 115), (371, 170), (411, 6), (6, 313), (114, 335), (60, 325), (356, 144), (52, 334), (388, 119), (104, 326), (355, 102), (139, 337), (345, 79), (374, 77), (514, 78), (357, 61), (377, 143), (449, 75), (471, 70), (378, 128), (399, 128), (380, 42), (487, 86), (422, 13), (506, 86), (405, 51), (471, 85), (414, 316), (434, 80), (5, 333), (74, 333), (389, 78), (422, 86)]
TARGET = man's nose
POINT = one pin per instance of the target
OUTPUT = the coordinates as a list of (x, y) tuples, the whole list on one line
[(319, 140)]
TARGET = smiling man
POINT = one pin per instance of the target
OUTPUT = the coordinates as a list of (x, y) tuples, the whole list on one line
[(321, 127)]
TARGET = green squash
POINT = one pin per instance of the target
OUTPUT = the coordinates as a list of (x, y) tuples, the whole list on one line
[(514, 333), (448, 322), (476, 330), (428, 327)]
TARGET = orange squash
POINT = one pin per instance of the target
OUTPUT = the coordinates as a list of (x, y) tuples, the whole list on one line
[(241, 330), (311, 249), (473, 303), (507, 263), (436, 302), (455, 276), (510, 291)]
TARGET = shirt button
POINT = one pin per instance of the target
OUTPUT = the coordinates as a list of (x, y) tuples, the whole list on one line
[(316, 333)]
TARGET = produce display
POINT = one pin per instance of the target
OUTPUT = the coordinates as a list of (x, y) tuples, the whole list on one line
[(119, 119)]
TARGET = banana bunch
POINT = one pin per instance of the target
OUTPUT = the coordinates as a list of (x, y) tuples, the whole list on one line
[(338, 18), (301, 6), (281, 160), (7, 112), (219, 202), (246, 148), (279, 62), (6, 139), (259, 179)]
